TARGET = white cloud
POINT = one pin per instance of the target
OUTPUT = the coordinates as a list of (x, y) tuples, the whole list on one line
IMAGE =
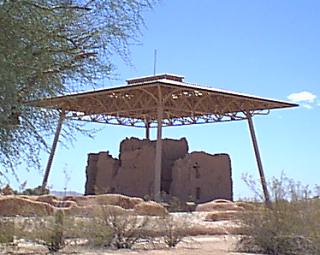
[(304, 96), (308, 106)]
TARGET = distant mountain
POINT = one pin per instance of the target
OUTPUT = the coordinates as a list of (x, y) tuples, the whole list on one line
[(67, 193)]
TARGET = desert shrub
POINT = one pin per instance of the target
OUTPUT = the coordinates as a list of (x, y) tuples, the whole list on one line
[(176, 205), (174, 229), (110, 228), (126, 228), (7, 190), (6, 231), (48, 231), (98, 234), (290, 227), (92, 229), (55, 232), (37, 191), (56, 238)]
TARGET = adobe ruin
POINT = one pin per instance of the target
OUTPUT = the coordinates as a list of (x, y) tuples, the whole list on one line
[(196, 176)]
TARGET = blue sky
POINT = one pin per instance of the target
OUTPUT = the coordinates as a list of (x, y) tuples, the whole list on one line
[(265, 48)]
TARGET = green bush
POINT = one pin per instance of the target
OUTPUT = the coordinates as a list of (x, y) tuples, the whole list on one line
[(56, 238), (290, 227), (6, 231), (56, 231), (93, 230), (35, 191), (174, 229), (174, 204), (126, 228), (48, 231), (110, 228)]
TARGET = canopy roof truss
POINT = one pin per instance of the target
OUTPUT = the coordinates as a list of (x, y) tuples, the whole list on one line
[(137, 104)]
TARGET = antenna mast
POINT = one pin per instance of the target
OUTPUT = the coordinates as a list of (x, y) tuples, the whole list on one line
[(155, 62)]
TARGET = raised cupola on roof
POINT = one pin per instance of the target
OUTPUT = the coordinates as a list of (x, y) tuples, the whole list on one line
[(154, 78)]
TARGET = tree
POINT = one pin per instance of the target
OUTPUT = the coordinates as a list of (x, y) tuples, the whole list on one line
[(49, 48)]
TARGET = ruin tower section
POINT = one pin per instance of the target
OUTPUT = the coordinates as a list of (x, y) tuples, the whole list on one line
[(91, 172), (207, 177)]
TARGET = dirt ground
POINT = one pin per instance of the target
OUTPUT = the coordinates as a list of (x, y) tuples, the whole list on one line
[(200, 245)]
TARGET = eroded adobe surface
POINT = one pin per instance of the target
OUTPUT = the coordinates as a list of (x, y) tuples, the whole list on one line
[(196, 176), (201, 177)]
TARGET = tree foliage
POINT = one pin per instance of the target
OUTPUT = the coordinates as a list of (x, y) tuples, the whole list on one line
[(49, 48)]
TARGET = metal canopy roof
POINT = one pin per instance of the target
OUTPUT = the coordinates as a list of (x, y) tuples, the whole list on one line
[(136, 103)]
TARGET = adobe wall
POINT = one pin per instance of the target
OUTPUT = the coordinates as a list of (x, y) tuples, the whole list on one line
[(133, 173), (91, 172), (100, 171), (201, 177), (135, 176), (104, 179)]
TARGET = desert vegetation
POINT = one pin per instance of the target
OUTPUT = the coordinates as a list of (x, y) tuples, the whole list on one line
[(290, 227)]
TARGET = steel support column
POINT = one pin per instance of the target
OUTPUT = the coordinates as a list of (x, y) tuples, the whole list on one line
[(147, 130), (53, 150), (259, 161), (158, 158)]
